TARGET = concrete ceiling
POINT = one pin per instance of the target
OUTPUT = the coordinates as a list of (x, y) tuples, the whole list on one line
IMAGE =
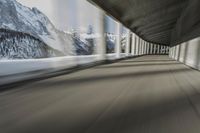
[(156, 21)]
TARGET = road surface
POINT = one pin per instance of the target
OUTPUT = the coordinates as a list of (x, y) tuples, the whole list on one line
[(149, 94)]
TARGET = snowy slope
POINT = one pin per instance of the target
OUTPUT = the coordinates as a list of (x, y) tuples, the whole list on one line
[(16, 17), (18, 45)]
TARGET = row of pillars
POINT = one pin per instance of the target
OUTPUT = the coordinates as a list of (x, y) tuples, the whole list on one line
[(141, 47), (135, 46)]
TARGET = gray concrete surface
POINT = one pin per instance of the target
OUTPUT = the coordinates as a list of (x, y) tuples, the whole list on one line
[(167, 22), (149, 94), (187, 53)]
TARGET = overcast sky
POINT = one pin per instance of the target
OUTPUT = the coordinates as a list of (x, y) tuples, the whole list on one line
[(69, 14)]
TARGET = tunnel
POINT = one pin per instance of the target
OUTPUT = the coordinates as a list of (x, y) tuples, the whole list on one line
[(146, 81)]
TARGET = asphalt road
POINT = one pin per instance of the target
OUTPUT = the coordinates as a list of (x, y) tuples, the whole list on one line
[(149, 94)]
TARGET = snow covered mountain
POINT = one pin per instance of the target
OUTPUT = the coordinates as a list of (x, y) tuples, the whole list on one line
[(110, 41), (18, 45), (21, 19)]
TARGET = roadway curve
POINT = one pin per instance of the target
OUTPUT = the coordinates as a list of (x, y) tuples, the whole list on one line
[(149, 94)]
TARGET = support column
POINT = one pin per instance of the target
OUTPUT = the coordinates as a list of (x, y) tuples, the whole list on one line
[(137, 45), (128, 43), (140, 47), (151, 48), (172, 52), (133, 45), (118, 40), (174, 49), (147, 48), (175, 56), (177, 52), (158, 49), (162, 49), (165, 50), (154, 49), (101, 41)]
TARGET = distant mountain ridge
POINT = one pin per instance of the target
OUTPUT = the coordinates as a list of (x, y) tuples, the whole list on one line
[(16, 17)]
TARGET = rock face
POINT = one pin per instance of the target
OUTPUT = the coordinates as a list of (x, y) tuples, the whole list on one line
[(110, 43), (17, 45), (37, 28), (84, 46)]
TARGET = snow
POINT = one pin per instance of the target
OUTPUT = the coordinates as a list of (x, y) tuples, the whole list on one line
[(15, 16), (9, 67), (10, 25)]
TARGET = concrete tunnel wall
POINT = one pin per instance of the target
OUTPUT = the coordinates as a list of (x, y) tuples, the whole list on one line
[(187, 53), (187, 26)]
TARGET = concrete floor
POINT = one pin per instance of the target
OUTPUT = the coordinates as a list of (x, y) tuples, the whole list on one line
[(149, 94)]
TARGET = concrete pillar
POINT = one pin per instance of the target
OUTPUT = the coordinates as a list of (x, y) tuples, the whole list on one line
[(136, 42), (158, 49), (100, 49), (143, 47), (140, 47), (177, 52), (147, 48), (127, 50), (162, 49), (118, 40), (133, 44), (170, 53), (156, 46), (154, 49), (173, 50), (167, 50), (137, 45), (151, 48)]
